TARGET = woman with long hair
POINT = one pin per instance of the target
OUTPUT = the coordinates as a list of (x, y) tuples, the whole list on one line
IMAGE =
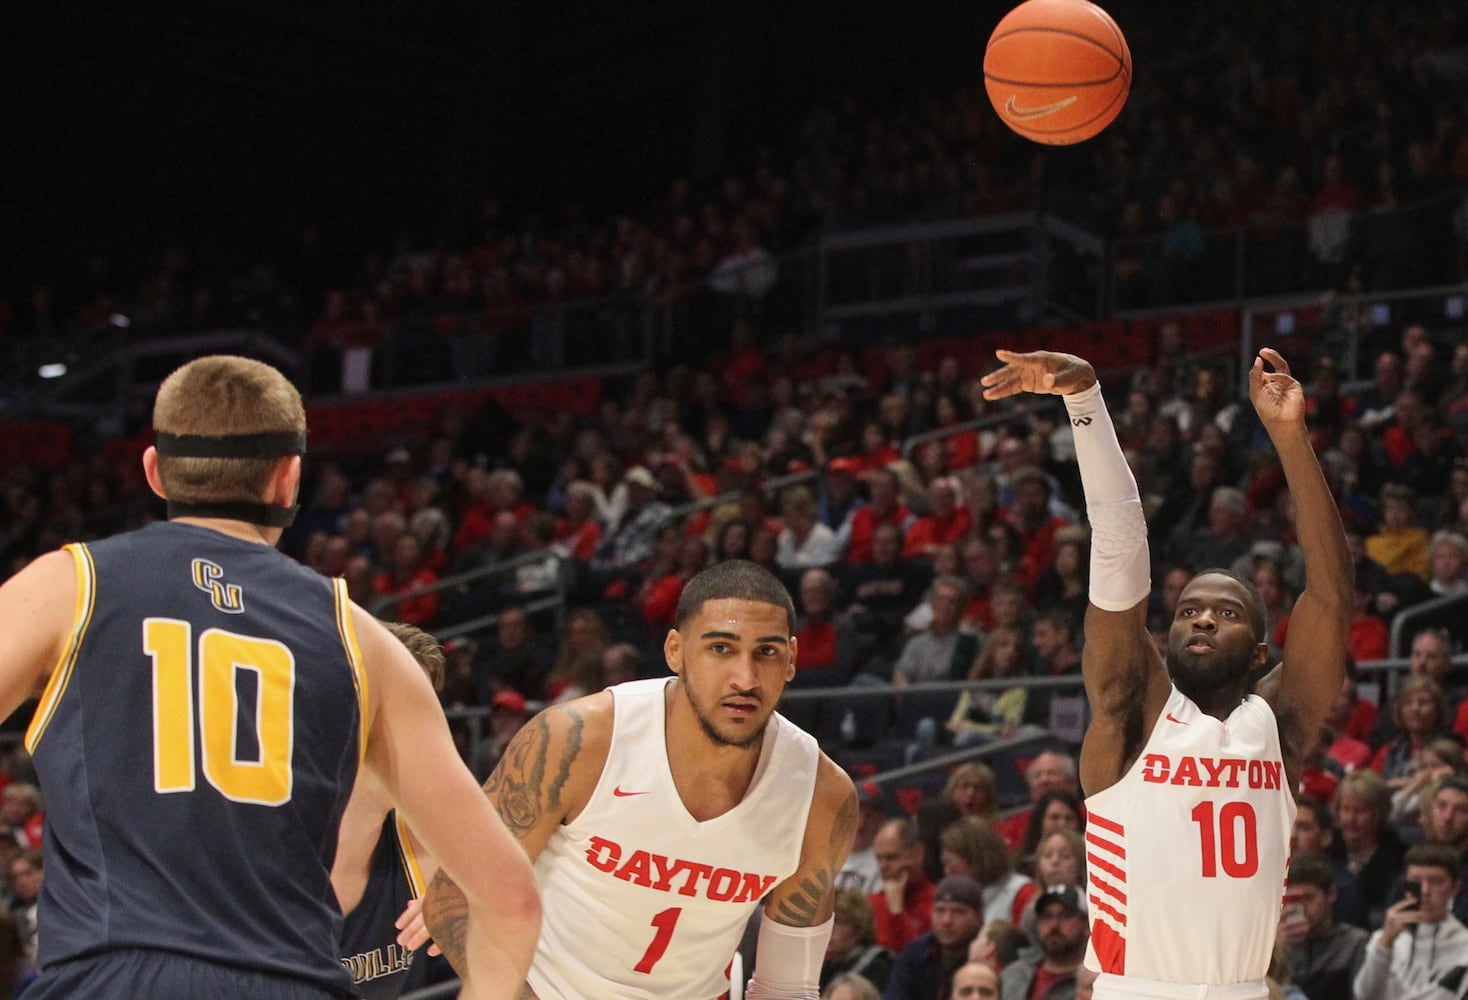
[(982, 715), (971, 846), (1054, 810), (971, 787)]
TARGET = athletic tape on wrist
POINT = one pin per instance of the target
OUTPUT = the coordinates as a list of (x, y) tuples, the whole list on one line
[(787, 960)]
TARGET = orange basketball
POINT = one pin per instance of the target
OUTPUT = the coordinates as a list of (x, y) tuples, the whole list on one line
[(1057, 71)]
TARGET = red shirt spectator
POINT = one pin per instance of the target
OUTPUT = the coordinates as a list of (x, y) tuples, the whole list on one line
[(946, 523), (406, 573)]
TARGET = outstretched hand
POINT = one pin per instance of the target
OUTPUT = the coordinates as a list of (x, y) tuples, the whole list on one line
[(1046, 372), (1278, 396)]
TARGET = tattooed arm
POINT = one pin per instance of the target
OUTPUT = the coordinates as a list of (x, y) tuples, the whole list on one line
[(807, 897), (544, 779)]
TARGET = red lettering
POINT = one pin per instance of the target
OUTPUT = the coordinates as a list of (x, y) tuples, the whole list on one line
[(754, 888), (1256, 774), (722, 884), (603, 855), (1155, 768), (1187, 772), (696, 873), (1215, 768), (1234, 765), (666, 871), (1273, 774), (637, 870)]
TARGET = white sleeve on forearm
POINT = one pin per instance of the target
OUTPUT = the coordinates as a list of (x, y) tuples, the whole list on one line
[(1121, 572), (787, 960)]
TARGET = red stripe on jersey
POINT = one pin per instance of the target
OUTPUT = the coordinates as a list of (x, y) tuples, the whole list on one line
[(1102, 906), (1105, 845), (1110, 890), (1108, 825), (1096, 861), (1110, 945)]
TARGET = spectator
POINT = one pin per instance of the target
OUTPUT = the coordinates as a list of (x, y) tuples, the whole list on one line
[(1323, 955), (1420, 942), (925, 966), (1060, 861), (933, 654), (1057, 809), (998, 944), (1435, 761), (821, 636), (577, 532), (853, 946), (27, 872), (972, 847), (1445, 822), (628, 543), (1050, 973), (971, 787), (1448, 558), (516, 659), (982, 715), (862, 871), (839, 500), (878, 595), (621, 663), (21, 815), (1420, 712), (945, 522), (903, 908), (1399, 545), (17, 972), (975, 981), (1054, 639), (884, 507), (1314, 833), (406, 573), (851, 986), (508, 713), (1368, 854), (577, 665), (1048, 771), (804, 542)]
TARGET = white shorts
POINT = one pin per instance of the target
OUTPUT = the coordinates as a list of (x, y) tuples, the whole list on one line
[(1112, 987)]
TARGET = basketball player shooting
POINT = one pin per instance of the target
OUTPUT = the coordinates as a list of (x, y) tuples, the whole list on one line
[(661, 813), (1189, 776)]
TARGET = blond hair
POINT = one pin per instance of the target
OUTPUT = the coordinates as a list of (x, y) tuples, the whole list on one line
[(424, 647), (217, 396)]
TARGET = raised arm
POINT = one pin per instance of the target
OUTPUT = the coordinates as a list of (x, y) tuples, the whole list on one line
[(546, 776), (410, 750), (1126, 682), (1309, 677), (796, 925)]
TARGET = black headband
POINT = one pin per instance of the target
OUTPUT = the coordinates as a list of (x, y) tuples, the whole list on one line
[(270, 444), (251, 512)]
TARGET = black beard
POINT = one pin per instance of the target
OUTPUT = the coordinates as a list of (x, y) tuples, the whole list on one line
[(717, 738), (1202, 681)]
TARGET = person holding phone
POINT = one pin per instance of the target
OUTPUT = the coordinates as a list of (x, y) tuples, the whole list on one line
[(1421, 950), (1323, 954)]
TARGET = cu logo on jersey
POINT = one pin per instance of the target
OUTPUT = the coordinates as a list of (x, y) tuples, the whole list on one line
[(226, 597), (1080, 422)]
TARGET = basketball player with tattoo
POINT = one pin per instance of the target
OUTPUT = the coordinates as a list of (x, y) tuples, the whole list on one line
[(660, 813), (1189, 776)]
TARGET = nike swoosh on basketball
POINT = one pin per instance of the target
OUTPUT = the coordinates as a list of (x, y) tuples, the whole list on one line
[(619, 793), (1030, 114), (1172, 718)]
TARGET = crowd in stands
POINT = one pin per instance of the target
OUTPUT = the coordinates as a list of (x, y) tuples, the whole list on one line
[(1308, 133)]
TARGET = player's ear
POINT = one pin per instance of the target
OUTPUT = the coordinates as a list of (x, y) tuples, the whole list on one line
[(673, 651), (790, 667), (1261, 655), (150, 471)]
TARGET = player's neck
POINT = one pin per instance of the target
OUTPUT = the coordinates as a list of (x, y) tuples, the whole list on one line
[(235, 529)]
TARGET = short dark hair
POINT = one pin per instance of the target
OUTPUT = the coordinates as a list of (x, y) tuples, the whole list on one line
[(1321, 810), (1436, 856), (739, 579), (1255, 602), (1311, 869)]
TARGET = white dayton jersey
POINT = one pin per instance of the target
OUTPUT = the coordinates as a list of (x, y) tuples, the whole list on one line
[(639, 899), (1187, 854)]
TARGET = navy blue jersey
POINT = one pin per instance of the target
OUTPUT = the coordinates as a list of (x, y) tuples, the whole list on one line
[(197, 743), (381, 968)]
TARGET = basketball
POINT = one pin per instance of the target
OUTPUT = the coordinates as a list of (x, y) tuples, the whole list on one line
[(1057, 71)]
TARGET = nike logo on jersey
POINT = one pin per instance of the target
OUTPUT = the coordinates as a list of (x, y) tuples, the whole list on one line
[(621, 794), (1172, 718), (1030, 114)]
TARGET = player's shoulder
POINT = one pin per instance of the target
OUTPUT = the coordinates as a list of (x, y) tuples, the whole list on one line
[(580, 728), (835, 791)]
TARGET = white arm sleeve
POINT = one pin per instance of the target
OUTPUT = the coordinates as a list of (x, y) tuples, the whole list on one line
[(1121, 571), (787, 961)]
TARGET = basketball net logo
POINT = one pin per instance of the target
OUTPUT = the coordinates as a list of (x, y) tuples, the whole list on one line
[(226, 597), (1030, 114)]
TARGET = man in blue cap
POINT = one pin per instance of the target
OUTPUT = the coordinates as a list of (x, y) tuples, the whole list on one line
[(925, 966)]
